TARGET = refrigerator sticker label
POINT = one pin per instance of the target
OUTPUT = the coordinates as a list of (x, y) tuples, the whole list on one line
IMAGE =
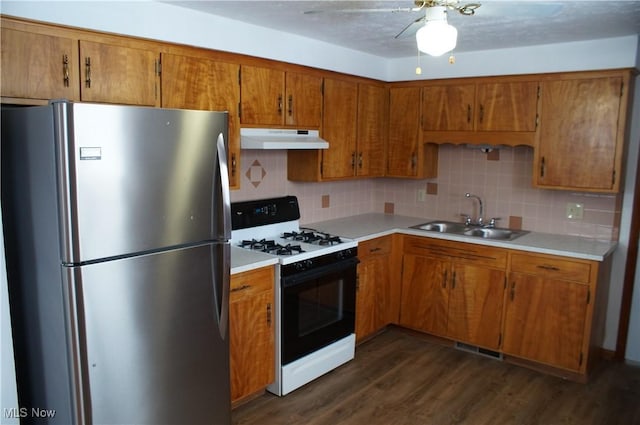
[(90, 153)]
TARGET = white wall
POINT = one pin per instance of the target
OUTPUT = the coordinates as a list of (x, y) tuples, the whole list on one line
[(170, 23)]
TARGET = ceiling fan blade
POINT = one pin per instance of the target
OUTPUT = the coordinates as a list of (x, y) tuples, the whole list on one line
[(389, 10), (411, 29)]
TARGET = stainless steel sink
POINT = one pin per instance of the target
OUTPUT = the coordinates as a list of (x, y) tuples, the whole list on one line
[(474, 231), (442, 227)]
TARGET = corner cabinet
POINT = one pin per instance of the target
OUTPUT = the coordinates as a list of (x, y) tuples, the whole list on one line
[(251, 332), (407, 156), (580, 143), (190, 82)]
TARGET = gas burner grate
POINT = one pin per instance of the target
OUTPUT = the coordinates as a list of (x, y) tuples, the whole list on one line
[(271, 247), (313, 237)]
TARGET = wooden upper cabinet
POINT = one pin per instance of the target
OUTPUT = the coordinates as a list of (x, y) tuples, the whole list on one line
[(273, 97), (303, 100), (262, 96), (38, 66), (119, 74), (371, 132), (507, 106), (448, 107), (407, 156), (581, 134), (204, 84), (339, 128)]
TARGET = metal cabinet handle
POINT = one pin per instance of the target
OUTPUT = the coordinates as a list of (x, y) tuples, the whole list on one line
[(233, 164), (65, 70), (444, 280), (360, 160), (280, 104), (269, 314), (513, 290), (549, 268), (542, 167), (290, 105), (468, 113), (87, 72), (453, 282), (241, 288), (481, 113)]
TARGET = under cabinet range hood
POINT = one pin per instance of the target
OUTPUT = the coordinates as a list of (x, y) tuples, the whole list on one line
[(281, 138)]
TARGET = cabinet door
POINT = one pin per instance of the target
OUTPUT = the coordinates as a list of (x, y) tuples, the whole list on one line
[(425, 294), (578, 145), (475, 305), (251, 331), (448, 107), (506, 106), (372, 103), (339, 128), (404, 132), (262, 96), (545, 320), (200, 83), (303, 100), (374, 281), (38, 66), (118, 74)]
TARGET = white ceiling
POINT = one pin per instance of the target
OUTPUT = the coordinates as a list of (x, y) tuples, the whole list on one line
[(496, 24)]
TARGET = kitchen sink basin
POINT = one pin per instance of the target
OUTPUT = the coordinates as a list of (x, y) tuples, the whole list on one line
[(442, 227), (453, 228)]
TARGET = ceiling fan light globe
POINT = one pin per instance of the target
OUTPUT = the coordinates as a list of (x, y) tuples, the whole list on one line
[(436, 38)]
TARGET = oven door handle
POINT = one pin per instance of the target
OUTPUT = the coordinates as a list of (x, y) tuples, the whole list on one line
[(304, 276)]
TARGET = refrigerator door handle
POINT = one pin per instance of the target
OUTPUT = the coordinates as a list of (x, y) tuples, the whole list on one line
[(224, 287), (223, 183)]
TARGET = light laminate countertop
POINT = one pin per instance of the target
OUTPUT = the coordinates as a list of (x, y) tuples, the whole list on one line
[(368, 226)]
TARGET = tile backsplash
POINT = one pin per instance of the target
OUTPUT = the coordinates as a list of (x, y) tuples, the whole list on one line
[(502, 179)]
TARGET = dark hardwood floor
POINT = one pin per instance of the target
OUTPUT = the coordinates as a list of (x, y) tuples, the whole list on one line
[(400, 379)]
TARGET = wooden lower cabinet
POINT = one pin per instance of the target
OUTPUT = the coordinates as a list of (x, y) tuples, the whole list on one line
[(549, 311), (454, 290), (373, 287), (251, 329)]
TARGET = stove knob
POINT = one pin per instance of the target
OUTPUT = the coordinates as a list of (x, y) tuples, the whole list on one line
[(346, 253)]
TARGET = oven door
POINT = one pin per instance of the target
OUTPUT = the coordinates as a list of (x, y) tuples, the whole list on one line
[(318, 308)]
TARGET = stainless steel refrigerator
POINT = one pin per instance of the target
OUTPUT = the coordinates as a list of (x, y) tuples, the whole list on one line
[(116, 222)]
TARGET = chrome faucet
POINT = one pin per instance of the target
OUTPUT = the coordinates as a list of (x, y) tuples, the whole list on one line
[(480, 219)]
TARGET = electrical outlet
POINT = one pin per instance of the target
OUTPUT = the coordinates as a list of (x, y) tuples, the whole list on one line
[(574, 211), (421, 195)]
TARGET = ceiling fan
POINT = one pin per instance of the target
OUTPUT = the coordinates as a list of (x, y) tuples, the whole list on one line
[(434, 35)]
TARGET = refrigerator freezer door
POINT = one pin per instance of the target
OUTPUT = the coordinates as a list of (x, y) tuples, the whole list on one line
[(153, 353), (134, 179)]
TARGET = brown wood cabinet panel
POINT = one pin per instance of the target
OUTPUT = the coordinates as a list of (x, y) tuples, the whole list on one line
[(507, 106), (475, 305), (553, 268), (39, 66), (251, 330), (373, 289), (448, 107), (118, 74), (580, 141), (339, 128), (404, 132), (371, 132), (545, 320), (303, 100), (204, 84), (262, 96), (425, 294)]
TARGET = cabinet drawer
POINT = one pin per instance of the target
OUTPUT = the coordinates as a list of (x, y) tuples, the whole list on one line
[(249, 283), (378, 246), (552, 268), (466, 253)]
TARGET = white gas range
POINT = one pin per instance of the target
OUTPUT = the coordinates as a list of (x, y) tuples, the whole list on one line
[(315, 289)]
